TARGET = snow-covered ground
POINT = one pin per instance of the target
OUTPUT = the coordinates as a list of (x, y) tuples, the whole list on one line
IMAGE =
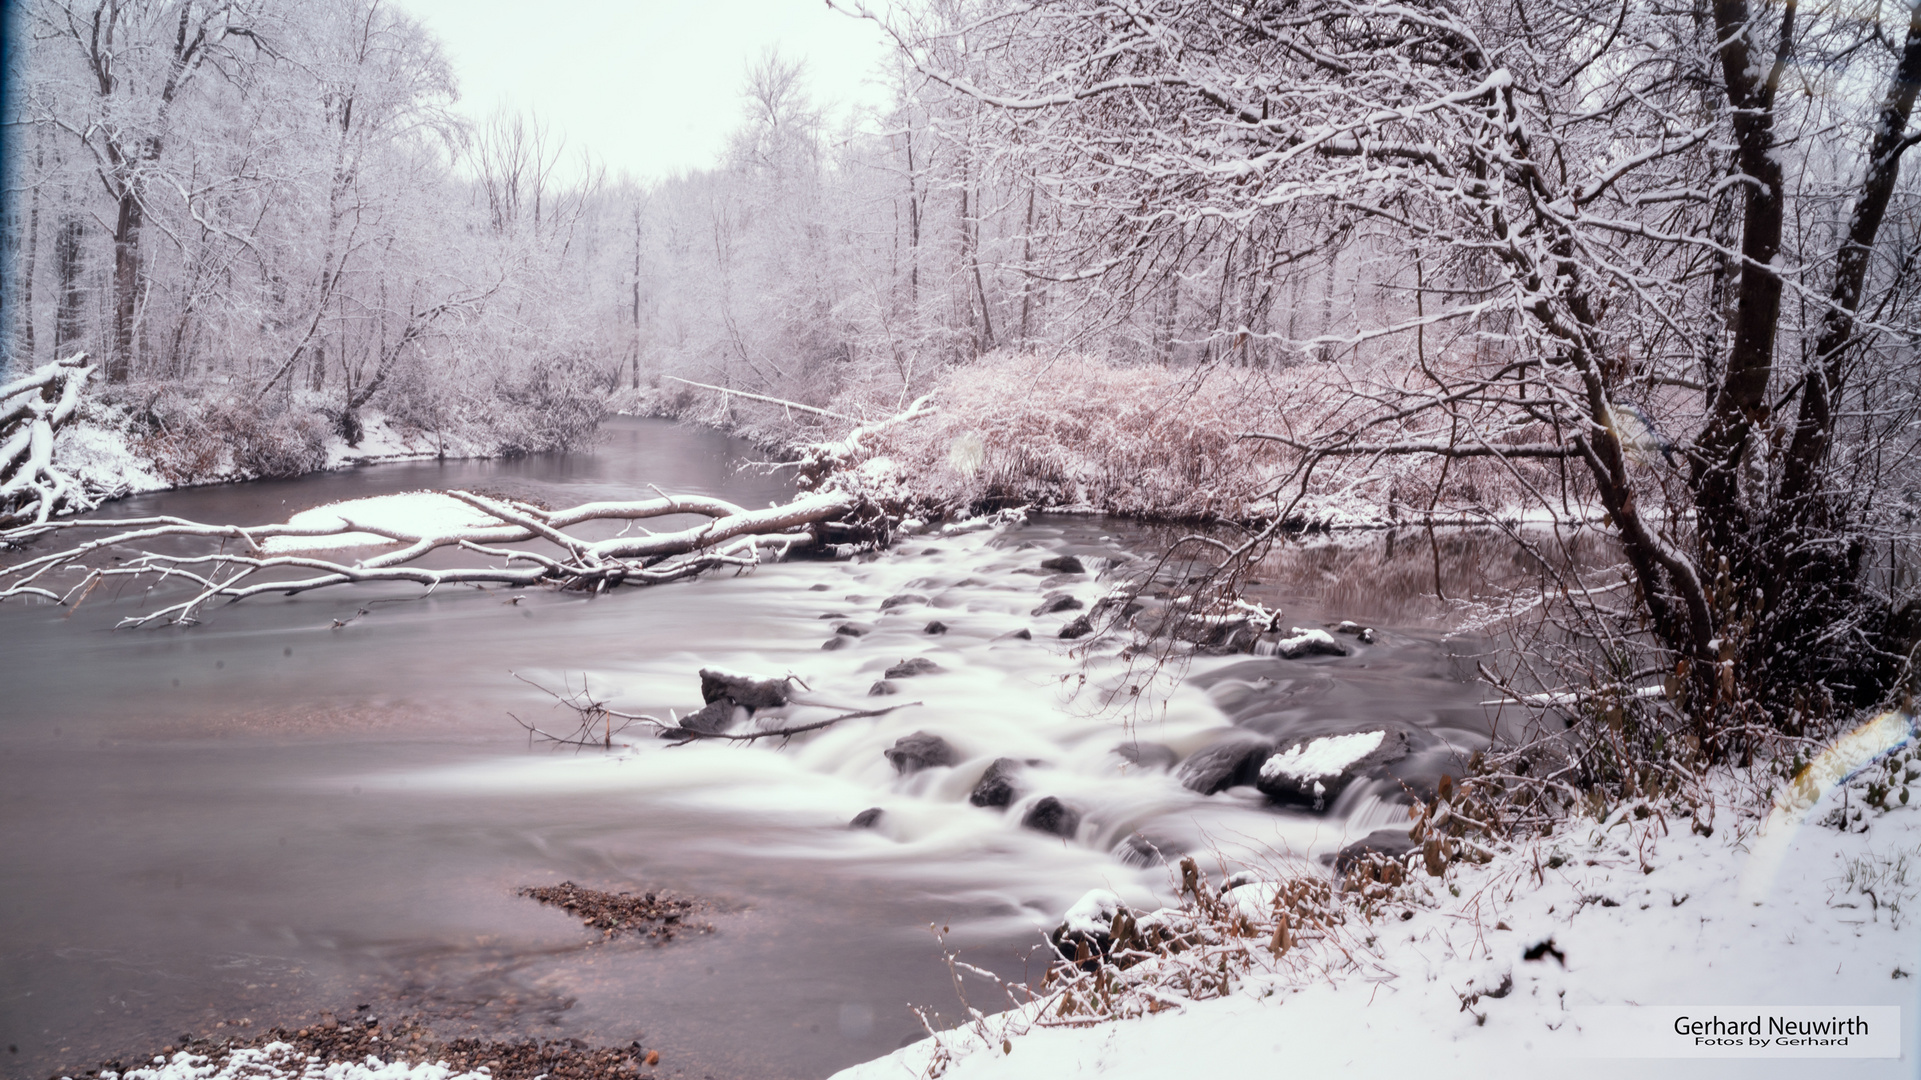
[(279, 1061), (383, 441), (1635, 917), (102, 455)]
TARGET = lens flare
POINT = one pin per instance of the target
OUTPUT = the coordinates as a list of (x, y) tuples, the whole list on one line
[(1845, 757)]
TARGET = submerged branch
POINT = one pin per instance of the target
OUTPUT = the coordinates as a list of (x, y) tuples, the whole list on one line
[(595, 716)]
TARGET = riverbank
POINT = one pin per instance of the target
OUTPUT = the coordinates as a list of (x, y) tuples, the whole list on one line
[(1074, 433), (1561, 952), (131, 439)]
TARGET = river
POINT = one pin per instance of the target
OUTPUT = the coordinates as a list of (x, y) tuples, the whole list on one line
[(268, 815)]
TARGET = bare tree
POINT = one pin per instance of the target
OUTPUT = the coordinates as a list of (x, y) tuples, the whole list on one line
[(1644, 242), (141, 56)]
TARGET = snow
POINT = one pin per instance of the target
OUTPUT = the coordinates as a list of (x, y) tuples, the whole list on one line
[(382, 441), (281, 1061), (1254, 900), (1322, 757), (1300, 638), (415, 513), (1093, 913), (1646, 913), (99, 457)]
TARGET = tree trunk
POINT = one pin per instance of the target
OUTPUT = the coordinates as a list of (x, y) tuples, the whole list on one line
[(126, 286), (21, 302), (71, 294)]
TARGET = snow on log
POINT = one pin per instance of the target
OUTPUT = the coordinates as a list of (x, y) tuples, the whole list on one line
[(244, 561), (32, 409)]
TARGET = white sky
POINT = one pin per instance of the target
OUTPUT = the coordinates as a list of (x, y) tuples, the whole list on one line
[(651, 87)]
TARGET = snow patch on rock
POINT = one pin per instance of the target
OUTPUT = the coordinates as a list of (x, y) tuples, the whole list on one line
[(1317, 758), (1093, 913)]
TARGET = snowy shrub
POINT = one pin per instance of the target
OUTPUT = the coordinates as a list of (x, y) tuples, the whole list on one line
[(194, 438), (291, 443), (552, 407), (1076, 431)]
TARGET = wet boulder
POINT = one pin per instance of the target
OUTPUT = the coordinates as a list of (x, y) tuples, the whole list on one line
[(1229, 763), (1141, 850), (838, 641), (882, 688), (935, 627), (1064, 564), (1050, 815), (1388, 843), (912, 753), (1079, 627), (1060, 601), (907, 669), (902, 600), (867, 818), (1146, 755), (711, 719), (754, 694), (1312, 771), (851, 630), (997, 787)]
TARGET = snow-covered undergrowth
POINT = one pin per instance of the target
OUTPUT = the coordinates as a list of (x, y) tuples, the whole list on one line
[(1526, 955), (128, 440), (1076, 432)]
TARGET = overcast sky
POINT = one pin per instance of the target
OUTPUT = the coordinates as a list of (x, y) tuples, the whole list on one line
[(650, 86)]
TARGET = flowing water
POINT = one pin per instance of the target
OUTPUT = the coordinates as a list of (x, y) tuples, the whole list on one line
[(268, 815)]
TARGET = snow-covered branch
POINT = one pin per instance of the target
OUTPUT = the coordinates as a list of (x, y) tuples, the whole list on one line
[(32, 409), (246, 561)]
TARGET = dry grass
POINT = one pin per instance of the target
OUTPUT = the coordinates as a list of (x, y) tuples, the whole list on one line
[(1167, 443)]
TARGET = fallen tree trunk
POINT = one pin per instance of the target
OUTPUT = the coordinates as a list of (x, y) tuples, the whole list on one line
[(32, 410), (278, 558)]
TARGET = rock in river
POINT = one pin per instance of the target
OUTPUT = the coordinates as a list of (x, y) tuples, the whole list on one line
[(912, 753), (996, 787), (1312, 772), (1058, 602), (907, 669), (745, 690), (1050, 815), (1229, 763)]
